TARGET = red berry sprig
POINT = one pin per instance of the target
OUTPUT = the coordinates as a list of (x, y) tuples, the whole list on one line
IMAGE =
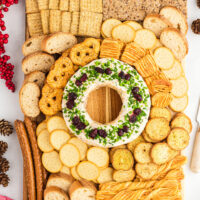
[(6, 69)]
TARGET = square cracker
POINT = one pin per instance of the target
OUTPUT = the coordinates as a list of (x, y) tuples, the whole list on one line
[(64, 5), (32, 6), (75, 23), (66, 21), (90, 24), (34, 24), (55, 21), (74, 5), (45, 21), (91, 5), (54, 4), (43, 4)]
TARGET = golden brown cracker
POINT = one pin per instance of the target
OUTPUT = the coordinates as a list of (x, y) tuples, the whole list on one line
[(90, 24), (43, 4), (75, 23), (55, 21), (34, 24), (45, 21), (64, 5), (74, 5), (32, 6), (91, 6), (54, 4), (66, 22)]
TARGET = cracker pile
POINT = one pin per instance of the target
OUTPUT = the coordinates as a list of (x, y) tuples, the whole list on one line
[(79, 17)]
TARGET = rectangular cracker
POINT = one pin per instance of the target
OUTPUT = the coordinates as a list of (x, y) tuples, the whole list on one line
[(75, 23), (43, 4), (32, 6), (90, 24), (55, 21), (91, 5), (66, 21), (45, 21), (74, 5), (64, 5), (54, 4), (34, 24)]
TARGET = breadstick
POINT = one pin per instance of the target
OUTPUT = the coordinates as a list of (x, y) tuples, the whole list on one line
[(27, 157), (31, 129), (45, 177), (25, 195)]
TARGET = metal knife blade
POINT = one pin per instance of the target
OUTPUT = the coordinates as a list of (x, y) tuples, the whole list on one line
[(198, 114)]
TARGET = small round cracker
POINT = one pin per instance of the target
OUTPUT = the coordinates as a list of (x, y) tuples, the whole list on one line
[(142, 152), (160, 112), (131, 145), (124, 175), (179, 104), (157, 129), (51, 162), (69, 155), (147, 138), (160, 153), (41, 127), (146, 171), (123, 32), (178, 139), (135, 25)]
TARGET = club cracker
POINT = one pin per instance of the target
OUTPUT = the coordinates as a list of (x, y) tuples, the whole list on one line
[(53, 4), (66, 22), (43, 4), (91, 6), (74, 5), (55, 21), (64, 5), (45, 21), (32, 6)]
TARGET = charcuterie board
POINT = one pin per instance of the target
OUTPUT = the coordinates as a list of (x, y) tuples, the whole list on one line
[(127, 163)]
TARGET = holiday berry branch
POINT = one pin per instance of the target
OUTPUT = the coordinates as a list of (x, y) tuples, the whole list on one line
[(6, 68)]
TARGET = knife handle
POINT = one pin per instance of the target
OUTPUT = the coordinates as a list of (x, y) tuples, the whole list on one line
[(195, 161)]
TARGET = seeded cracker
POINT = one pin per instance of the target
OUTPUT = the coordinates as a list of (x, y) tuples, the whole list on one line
[(43, 4), (91, 5), (64, 5), (74, 5), (31, 6), (75, 23), (66, 21), (54, 4), (55, 21), (90, 24), (34, 24), (45, 21)]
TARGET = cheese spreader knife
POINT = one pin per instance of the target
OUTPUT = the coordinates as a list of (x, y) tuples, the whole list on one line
[(195, 161)]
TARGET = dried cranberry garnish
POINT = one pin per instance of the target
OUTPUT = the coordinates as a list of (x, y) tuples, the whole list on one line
[(93, 133), (122, 75), (83, 78), (125, 129), (120, 132), (78, 83), (99, 70), (75, 120), (72, 96), (133, 118), (137, 111), (102, 133), (70, 104), (108, 71), (127, 76), (138, 97), (135, 90), (80, 126)]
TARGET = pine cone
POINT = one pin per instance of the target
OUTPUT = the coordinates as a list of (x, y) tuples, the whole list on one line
[(3, 147), (196, 26), (5, 127), (4, 179), (4, 165), (198, 3)]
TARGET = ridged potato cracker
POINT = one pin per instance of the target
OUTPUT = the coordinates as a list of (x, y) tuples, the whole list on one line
[(161, 99)]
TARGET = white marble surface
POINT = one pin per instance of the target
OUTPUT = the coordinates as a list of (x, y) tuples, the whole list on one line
[(9, 106)]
